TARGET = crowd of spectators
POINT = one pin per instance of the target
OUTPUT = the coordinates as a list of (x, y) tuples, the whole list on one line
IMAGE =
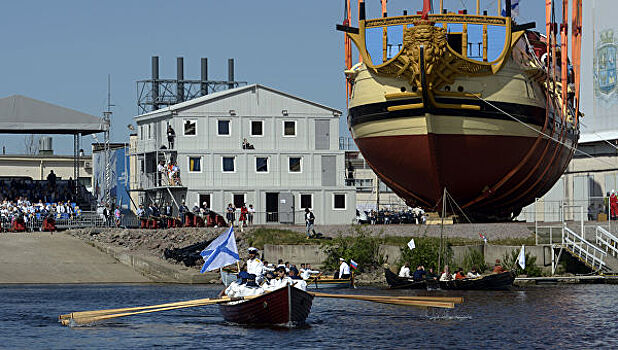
[(46, 191), (387, 216)]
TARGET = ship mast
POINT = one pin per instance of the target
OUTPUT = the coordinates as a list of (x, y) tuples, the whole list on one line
[(576, 51)]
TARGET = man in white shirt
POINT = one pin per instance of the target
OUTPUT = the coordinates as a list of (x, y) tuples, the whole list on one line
[(344, 269), (405, 271), (254, 265), (307, 272)]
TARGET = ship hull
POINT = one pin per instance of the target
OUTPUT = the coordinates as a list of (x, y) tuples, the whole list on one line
[(420, 153)]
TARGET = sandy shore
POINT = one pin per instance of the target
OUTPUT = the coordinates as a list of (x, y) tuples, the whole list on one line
[(58, 258)]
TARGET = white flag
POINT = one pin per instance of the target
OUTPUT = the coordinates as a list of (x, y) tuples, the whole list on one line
[(411, 244), (521, 258)]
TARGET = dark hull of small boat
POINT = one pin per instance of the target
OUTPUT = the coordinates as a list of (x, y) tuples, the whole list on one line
[(499, 281), (328, 283), (286, 306), (396, 282)]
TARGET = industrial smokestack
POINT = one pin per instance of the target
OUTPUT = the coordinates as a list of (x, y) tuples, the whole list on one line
[(155, 82), (204, 85), (180, 76), (230, 73)]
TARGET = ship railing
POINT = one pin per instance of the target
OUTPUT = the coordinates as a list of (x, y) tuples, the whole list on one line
[(586, 251), (606, 240)]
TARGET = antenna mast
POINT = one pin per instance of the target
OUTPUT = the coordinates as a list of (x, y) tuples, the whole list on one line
[(107, 151)]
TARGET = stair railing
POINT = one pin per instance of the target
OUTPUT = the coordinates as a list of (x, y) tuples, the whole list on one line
[(606, 240), (586, 251)]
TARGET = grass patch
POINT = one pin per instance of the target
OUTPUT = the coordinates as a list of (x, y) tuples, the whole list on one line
[(260, 236), (459, 241)]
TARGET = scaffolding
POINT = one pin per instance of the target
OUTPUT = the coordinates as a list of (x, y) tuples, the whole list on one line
[(155, 93)]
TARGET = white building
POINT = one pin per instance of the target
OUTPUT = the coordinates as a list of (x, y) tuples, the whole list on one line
[(294, 161)]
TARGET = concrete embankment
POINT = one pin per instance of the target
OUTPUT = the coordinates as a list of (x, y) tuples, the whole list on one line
[(314, 255), (58, 258)]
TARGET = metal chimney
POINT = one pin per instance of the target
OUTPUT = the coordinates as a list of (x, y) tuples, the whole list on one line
[(45, 145), (230, 73), (180, 77), (204, 85), (155, 82)]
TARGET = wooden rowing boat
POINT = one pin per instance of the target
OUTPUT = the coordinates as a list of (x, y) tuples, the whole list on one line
[(329, 283), (287, 306), (396, 282), (496, 281)]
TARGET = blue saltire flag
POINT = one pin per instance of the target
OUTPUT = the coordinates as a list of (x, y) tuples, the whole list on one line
[(220, 252), (514, 9)]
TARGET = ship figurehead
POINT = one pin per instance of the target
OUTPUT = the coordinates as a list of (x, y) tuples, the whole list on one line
[(423, 37)]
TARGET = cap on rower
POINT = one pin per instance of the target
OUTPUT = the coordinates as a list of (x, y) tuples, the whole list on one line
[(252, 250)]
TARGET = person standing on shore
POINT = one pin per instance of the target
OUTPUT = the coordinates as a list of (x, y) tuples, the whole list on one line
[(230, 214), (309, 221)]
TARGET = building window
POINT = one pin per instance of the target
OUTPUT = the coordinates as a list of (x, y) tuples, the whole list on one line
[(141, 132), (261, 164), (223, 127), (190, 127), (149, 131), (306, 201), (339, 201), (239, 200), (195, 164), (228, 164), (295, 166), (257, 128), (289, 128)]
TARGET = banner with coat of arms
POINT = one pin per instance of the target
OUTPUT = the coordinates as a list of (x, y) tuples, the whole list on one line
[(605, 75)]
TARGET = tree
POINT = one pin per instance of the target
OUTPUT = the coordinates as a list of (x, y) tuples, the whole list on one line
[(31, 144)]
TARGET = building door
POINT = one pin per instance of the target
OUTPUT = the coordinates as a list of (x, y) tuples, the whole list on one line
[(239, 200), (581, 187), (205, 198), (286, 208), (322, 134), (329, 167), (272, 207)]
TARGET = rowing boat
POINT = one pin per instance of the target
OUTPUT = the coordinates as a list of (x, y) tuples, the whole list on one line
[(328, 282), (287, 306), (496, 281), (396, 282)]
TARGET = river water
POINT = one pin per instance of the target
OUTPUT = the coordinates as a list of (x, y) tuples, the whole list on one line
[(556, 317)]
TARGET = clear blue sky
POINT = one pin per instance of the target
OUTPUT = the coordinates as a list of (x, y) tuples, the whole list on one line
[(62, 51)]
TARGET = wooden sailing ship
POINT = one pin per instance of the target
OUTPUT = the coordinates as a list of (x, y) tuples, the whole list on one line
[(496, 134)]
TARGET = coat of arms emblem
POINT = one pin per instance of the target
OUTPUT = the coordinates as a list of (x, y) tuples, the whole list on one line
[(606, 79)]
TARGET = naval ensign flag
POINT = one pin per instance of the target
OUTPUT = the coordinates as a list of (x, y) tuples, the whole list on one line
[(220, 252)]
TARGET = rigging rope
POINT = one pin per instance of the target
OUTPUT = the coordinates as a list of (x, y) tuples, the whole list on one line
[(544, 134)]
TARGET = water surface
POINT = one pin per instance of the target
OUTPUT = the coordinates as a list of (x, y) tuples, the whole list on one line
[(559, 317)]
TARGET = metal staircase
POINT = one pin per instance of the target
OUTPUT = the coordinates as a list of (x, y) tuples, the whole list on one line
[(600, 255)]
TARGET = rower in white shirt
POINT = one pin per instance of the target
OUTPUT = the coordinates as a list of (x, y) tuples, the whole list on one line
[(307, 272), (344, 269), (405, 271)]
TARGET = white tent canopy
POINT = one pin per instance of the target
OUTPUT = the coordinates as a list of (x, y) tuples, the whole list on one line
[(24, 115)]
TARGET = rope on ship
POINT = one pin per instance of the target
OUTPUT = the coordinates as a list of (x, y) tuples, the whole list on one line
[(544, 134)]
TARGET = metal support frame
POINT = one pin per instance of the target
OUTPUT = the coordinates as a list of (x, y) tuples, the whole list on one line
[(166, 93)]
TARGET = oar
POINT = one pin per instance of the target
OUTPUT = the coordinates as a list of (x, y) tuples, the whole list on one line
[(85, 317), (388, 300), (456, 300), (127, 309)]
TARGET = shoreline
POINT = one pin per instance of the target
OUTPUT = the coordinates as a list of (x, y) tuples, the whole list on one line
[(134, 256)]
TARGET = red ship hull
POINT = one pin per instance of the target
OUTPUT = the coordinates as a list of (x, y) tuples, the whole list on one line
[(286, 306)]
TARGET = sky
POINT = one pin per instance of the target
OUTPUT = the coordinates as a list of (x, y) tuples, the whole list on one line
[(62, 51)]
